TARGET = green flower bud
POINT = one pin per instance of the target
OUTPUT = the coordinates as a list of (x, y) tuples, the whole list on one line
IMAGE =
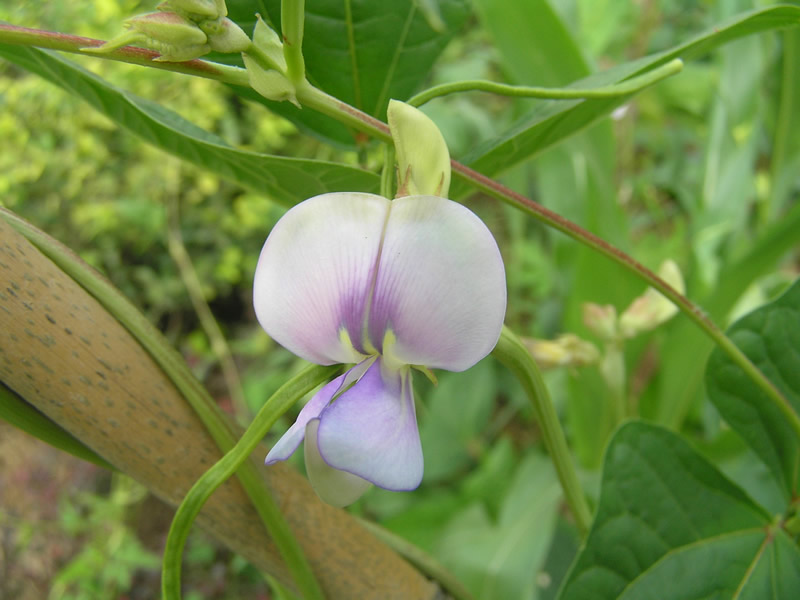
[(271, 84), (601, 320), (422, 156), (229, 38), (168, 28), (651, 308), (567, 350), (175, 37)]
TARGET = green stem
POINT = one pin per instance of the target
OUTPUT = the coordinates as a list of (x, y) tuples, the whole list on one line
[(630, 86), (512, 352), (292, 24), (420, 559), (279, 403), (175, 368)]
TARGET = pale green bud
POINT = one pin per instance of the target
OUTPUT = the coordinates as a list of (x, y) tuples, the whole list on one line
[(422, 157), (601, 320), (651, 308), (173, 36), (567, 350), (271, 84), (229, 38), (168, 28)]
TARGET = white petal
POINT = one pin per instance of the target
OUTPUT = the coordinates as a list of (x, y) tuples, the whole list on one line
[(315, 272), (337, 488), (371, 430), (441, 286)]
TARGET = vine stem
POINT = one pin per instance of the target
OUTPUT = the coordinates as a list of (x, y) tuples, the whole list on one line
[(628, 86), (279, 403), (513, 354), (318, 100)]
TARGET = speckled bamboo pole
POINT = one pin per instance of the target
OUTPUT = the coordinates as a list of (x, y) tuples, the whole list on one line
[(67, 356)]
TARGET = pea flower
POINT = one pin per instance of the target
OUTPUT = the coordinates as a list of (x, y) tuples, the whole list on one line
[(389, 286)]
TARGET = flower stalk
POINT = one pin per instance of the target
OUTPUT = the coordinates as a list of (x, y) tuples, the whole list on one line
[(513, 354)]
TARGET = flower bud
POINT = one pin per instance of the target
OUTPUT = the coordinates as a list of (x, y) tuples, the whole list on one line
[(567, 350), (601, 320), (175, 37), (229, 38), (422, 156), (168, 28), (651, 308)]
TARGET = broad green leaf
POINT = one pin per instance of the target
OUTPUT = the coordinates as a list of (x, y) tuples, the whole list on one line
[(770, 337), (19, 413), (360, 51), (285, 180), (669, 525), (550, 122)]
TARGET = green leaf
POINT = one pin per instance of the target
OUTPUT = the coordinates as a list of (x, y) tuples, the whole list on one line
[(550, 122), (770, 337), (22, 415), (285, 180), (669, 525)]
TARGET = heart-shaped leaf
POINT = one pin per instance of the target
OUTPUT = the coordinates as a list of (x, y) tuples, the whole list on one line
[(669, 525), (770, 337)]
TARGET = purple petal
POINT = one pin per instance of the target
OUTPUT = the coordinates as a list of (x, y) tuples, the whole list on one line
[(371, 430), (441, 287), (290, 440), (337, 488), (315, 273)]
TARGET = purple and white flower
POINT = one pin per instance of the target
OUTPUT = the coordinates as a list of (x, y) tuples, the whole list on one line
[(387, 285)]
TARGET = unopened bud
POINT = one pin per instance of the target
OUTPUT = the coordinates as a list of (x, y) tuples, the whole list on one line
[(228, 38), (601, 320), (423, 160), (567, 350), (175, 37), (168, 28), (651, 308)]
